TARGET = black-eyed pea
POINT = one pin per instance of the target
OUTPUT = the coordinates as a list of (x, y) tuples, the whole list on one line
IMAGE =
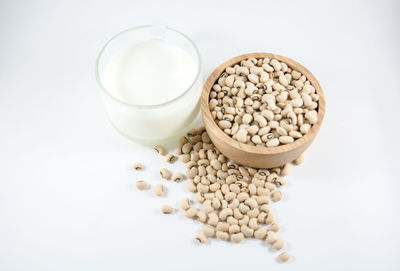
[(286, 139), (201, 238), (237, 214), (158, 190), (280, 182), (270, 186), (202, 171), (224, 204), (231, 179), (214, 187), (234, 188), (263, 199), (202, 188), (253, 223), (242, 196), (224, 213), (257, 182), (284, 257), (276, 195), (191, 173), (191, 212), (247, 232), (311, 116), (222, 226), (253, 213), (177, 177), (252, 189), (160, 149), (141, 185), (202, 216), (305, 128), (251, 202), (216, 204), (187, 147), (232, 221), (184, 204), (222, 235), (260, 233), (243, 208), (244, 220), (230, 196), (137, 166), (265, 208), (191, 187), (274, 227), (237, 237), (234, 204), (261, 217), (261, 191), (299, 160), (170, 158), (213, 219), (285, 170), (184, 158), (209, 196), (207, 206), (234, 229), (278, 244), (167, 209), (270, 218), (208, 231), (272, 142), (271, 237)]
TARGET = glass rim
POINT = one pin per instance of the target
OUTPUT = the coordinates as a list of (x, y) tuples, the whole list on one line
[(99, 56)]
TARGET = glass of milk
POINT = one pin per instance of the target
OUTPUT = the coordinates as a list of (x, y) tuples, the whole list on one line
[(150, 77)]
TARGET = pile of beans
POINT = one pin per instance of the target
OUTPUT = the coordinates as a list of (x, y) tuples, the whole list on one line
[(263, 102), (232, 201)]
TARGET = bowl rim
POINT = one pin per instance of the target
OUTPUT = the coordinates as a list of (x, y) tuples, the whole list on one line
[(257, 149)]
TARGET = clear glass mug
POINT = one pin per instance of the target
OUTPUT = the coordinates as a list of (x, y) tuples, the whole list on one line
[(151, 124)]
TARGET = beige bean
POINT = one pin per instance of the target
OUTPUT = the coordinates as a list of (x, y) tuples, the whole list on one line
[(158, 190), (160, 149), (222, 235), (286, 139), (222, 226), (191, 212), (191, 187), (167, 209), (260, 233), (278, 244), (141, 185), (248, 232), (213, 219), (165, 173), (223, 214), (177, 177), (137, 166), (184, 158), (241, 135), (170, 158), (284, 257), (253, 223), (201, 238), (274, 227), (184, 204), (208, 231), (299, 160), (276, 195), (237, 237), (271, 237)]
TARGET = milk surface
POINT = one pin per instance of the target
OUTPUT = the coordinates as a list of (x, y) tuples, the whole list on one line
[(149, 73)]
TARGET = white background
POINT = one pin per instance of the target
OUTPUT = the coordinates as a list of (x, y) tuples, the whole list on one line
[(67, 200)]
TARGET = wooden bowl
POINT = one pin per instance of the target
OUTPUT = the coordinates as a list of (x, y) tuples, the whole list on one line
[(256, 156)]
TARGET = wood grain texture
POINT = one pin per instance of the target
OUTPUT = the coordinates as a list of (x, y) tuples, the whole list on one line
[(256, 156)]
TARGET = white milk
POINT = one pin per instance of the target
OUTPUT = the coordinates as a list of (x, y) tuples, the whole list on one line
[(151, 73)]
